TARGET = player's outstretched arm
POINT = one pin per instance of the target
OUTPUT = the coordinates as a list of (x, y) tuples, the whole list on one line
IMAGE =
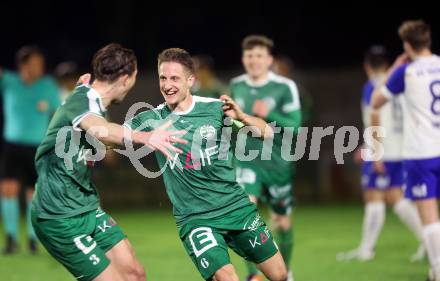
[(231, 109), (113, 134)]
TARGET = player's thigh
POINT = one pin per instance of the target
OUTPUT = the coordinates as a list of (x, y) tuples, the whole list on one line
[(393, 195), (122, 256), (428, 210), (248, 177), (207, 248), (281, 222), (255, 242), (10, 187), (71, 242), (111, 273), (118, 249), (373, 195)]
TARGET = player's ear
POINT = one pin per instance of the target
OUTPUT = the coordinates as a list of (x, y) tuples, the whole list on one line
[(191, 80), (270, 60), (124, 80)]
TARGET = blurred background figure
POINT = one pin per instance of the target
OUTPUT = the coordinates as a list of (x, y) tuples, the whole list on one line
[(262, 93), (66, 74), (29, 100), (382, 180), (283, 65), (207, 83)]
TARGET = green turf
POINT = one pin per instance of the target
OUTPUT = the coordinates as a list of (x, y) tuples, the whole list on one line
[(321, 232)]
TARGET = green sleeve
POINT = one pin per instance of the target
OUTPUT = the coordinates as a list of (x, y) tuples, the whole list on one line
[(236, 126), (289, 112), (141, 122), (291, 119), (134, 123)]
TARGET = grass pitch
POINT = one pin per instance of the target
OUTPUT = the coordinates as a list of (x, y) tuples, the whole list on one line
[(321, 232)]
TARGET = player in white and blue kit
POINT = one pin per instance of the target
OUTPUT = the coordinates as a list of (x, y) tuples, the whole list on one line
[(382, 181), (419, 84)]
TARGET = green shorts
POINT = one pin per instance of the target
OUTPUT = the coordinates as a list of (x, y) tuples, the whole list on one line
[(243, 230), (271, 187), (80, 242)]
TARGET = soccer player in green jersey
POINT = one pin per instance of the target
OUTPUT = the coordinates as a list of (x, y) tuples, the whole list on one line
[(29, 97), (212, 211), (66, 213), (274, 98)]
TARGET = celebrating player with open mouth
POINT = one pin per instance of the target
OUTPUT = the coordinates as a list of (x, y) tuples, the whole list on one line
[(212, 211)]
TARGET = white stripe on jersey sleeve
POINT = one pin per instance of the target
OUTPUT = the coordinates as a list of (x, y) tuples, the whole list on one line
[(95, 108), (77, 121), (206, 99), (295, 104)]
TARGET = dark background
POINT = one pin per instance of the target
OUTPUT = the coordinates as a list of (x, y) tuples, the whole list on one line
[(314, 34), (326, 42)]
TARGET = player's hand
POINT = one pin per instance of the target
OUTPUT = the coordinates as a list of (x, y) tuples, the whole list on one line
[(260, 109), (231, 108), (163, 140), (84, 79), (401, 59), (379, 167), (42, 106)]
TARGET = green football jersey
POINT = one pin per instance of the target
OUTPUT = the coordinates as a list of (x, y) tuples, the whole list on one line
[(200, 182), (64, 188), (280, 95)]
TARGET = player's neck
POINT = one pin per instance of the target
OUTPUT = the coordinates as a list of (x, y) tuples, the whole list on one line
[(423, 53), (182, 106), (105, 91), (260, 78)]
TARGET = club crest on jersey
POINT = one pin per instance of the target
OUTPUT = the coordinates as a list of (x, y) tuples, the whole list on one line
[(207, 132)]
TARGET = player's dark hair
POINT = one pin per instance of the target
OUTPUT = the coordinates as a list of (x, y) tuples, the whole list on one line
[(376, 57), (112, 61), (26, 52), (417, 33), (176, 55), (252, 41)]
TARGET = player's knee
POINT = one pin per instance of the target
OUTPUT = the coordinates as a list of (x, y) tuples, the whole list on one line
[(140, 273), (136, 272), (279, 275), (225, 274), (281, 222), (10, 188)]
